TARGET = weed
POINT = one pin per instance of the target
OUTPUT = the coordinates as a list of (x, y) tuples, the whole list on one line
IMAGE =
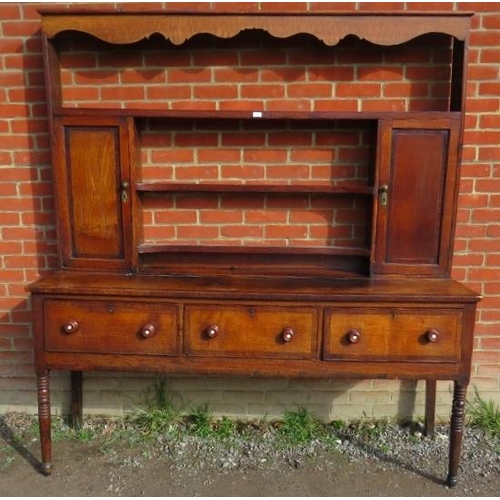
[(484, 414), (225, 428), (338, 425), (201, 421), (370, 430), (160, 415), (300, 426)]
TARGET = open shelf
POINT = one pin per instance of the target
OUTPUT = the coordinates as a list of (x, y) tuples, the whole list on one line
[(253, 260)]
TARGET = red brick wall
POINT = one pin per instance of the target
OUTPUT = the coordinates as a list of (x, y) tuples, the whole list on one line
[(257, 151), (274, 75)]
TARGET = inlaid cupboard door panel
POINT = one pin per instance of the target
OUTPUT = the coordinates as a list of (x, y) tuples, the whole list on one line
[(92, 171), (417, 188)]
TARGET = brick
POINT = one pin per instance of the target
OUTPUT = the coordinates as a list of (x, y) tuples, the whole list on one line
[(220, 217), (254, 172), (197, 232), (122, 93), (219, 155), (489, 88), (239, 202), (196, 201), (266, 58), (196, 173), (489, 56), (332, 74), (380, 73), (215, 58), (358, 90), (81, 93), (240, 75), (241, 231), (288, 231), (288, 171), (196, 140), (176, 217), (309, 90), (186, 75), (490, 121), (261, 91), (491, 21), (266, 217), (216, 92), (17, 29), (288, 105), (238, 139)]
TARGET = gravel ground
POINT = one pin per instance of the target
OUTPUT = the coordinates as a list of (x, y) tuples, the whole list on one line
[(368, 459)]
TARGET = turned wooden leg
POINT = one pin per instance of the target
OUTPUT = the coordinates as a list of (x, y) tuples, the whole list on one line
[(44, 421), (76, 400), (456, 431), (430, 407)]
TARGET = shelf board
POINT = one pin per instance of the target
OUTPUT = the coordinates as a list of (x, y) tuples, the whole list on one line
[(151, 248), (219, 187), (196, 114)]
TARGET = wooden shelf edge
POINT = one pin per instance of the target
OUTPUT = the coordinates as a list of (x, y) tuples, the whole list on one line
[(221, 188), (227, 114), (149, 248)]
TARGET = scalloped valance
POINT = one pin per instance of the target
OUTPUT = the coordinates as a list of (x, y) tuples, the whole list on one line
[(379, 28)]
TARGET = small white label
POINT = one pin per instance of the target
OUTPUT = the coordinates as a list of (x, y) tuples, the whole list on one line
[(257, 114)]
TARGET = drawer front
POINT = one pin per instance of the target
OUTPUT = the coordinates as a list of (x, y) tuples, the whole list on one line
[(393, 334), (253, 330), (114, 327)]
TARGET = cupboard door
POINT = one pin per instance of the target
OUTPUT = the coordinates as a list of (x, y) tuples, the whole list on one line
[(92, 172), (417, 188)]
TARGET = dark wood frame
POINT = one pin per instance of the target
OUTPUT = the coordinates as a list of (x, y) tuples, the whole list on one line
[(101, 297)]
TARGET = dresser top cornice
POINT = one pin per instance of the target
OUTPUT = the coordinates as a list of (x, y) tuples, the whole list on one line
[(382, 28)]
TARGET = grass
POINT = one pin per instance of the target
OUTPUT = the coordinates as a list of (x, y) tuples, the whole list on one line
[(484, 414), (226, 428), (201, 421), (300, 427), (160, 415)]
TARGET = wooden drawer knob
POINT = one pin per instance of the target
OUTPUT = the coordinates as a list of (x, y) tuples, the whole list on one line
[(212, 331), (70, 326), (432, 335), (148, 330), (353, 336), (287, 334)]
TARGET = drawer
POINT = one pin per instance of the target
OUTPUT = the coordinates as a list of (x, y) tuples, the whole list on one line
[(393, 334), (251, 331), (114, 327)]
